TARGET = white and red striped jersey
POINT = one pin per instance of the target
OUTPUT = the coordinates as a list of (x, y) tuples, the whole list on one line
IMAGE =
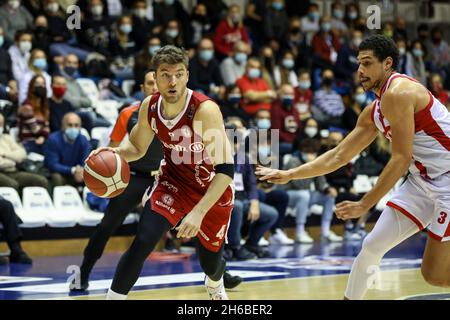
[(431, 144)]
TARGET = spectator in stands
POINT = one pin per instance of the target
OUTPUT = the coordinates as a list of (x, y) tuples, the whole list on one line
[(255, 91), (276, 24), (441, 54), (12, 154), (310, 23), (233, 67), (423, 35), (200, 24), (8, 86), (143, 61), (33, 116), (438, 90), (122, 49), (347, 63), (216, 9), (173, 34), (351, 113), (352, 14), (14, 17), (388, 30), (229, 31), (417, 63), (404, 59), (303, 95), (301, 197), (284, 72), (65, 152), (400, 29), (328, 106), (37, 66), (41, 37), (295, 42), (337, 21), (268, 61), (20, 53), (12, 234), (308, 136), (172, 10), (142, 26), (231, 107), (57, 104), (285, 118), (325, 45), (255, 12), (204, 71)]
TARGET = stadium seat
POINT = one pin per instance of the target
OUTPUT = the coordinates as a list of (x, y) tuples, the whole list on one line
[(131, 218), (90, 89), (30, 219), (101, 134), (85, 133), (108, 109), (67, 199), (362, 183), (127, 86), (37, 199)]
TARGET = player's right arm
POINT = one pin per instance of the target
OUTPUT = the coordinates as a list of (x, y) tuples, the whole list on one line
[(357, 140), (139, 140)]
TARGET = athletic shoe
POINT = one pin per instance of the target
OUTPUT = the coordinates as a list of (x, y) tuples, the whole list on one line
[(216, 293), (84, 285), (243, 254), (230, 281), (279, 237), (259, 251), (304, 238), (263, 242), (20, 257), (332, 237)]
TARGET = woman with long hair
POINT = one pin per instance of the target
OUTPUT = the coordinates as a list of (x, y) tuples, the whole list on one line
[(34, 115)]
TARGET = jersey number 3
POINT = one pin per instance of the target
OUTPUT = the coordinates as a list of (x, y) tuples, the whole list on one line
[(442, 218)]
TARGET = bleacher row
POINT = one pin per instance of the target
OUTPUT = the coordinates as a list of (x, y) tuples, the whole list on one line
[(64, 210)]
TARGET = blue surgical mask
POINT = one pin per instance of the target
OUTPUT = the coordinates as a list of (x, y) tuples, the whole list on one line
[(263, 124), (2, 40), (288, 63), (40, 63), (152, 49), (72, 133), (277, 5), (172, 33), (71, 71), (254, 73), (353, 15), (234, 98), (338, 14), (417, 52), (360, 98), (206, 55), (305, 84), (126, 28), (326, 26), (314, 15), (241, 57)]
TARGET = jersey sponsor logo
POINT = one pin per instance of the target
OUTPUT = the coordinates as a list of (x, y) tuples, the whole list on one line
[(167, 199), (175, 147), (159, 203), (197, 147), (170, 186)]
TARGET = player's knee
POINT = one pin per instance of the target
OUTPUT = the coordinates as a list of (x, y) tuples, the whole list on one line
[(435, 278), (371, 245)]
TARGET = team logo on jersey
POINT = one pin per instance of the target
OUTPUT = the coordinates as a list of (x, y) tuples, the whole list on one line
[(186, 131), (197, 147), (167, 199)]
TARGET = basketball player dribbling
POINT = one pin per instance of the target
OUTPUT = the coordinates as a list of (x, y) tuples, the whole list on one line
[(418, 126), (193, 191)]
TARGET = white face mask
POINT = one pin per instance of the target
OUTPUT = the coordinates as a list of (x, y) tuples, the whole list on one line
[(14, 4), (97, 10), (25, 46), (53, 7), (311, 131), (141, 13), (401, 51)]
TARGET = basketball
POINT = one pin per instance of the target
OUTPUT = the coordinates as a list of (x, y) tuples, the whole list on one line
[(106, 174)]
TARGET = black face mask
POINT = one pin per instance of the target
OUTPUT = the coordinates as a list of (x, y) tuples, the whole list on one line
[(268, 63), (41, 30), (327, 81), (39, 92), (295, 30)]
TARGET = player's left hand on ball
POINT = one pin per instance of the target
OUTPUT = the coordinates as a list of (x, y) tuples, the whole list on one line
[(350, 210), (190, 225)]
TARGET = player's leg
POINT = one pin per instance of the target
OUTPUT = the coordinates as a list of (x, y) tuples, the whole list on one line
[(150, 230), (391, 228), (116, 212), (436, 263)]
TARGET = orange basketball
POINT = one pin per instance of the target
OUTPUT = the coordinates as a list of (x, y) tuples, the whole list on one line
[(106, 174)]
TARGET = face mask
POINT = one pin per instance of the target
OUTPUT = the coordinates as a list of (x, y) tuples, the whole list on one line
[(388, 34), (152, 49), (360, 98), (53, 7), (2, 40), (126, 28), (263, 124), (254, 73), (401, 51), (327, 81), (41, 29), (357, 42), (72, 133), (268, 62), (40, 63), (311, 131), (39, 92), (287, 100), (70, 71), (338, 14), (206, 55), (169, 2), (288, 63), (25, 46), (304, 84), (14, 4), (97, 10), (59, 91), (234, 98), (326, 26), (277, 5), (141, 13), (353, 15), (172, 33), (236, 18), (296, 30), (264, 151), (240, 57), (314, 15), (418, 53)]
